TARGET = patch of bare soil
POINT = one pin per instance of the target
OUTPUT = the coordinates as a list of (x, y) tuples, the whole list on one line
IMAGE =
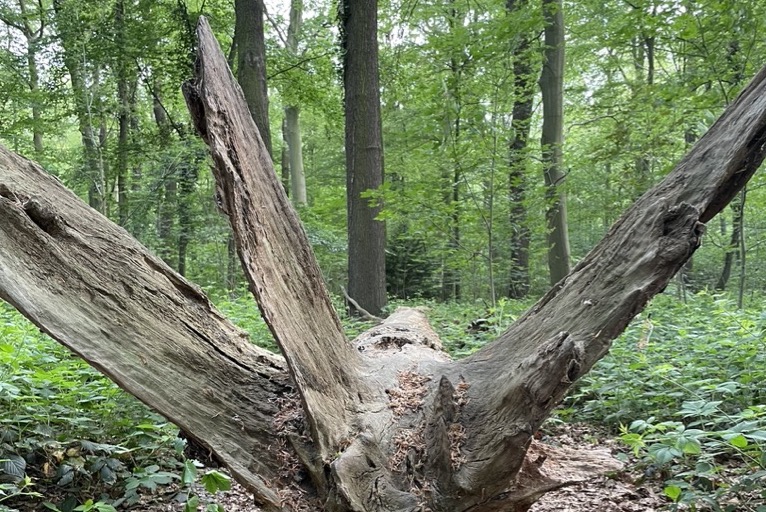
[(612, 493)]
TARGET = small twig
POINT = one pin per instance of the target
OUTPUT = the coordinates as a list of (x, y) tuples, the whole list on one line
[(299, 64), (275, 26), (362, 312)]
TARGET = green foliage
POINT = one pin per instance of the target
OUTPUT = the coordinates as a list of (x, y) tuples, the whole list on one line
[(244, 312), (67, 427), (711, 460), (67, 430), (683, 387), (702, 351)]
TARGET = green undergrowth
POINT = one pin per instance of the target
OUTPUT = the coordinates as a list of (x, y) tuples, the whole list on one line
[(683, 388), (70, 439)]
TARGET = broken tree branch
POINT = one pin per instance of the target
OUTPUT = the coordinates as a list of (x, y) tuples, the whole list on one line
[(275, 253), (89, 285)]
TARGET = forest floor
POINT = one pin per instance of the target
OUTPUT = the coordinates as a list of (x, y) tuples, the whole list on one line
[(616, 493)]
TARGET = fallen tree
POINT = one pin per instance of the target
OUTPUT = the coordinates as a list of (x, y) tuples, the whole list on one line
[(387, 422)]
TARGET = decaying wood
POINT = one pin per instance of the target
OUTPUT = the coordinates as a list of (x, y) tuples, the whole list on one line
[(89, 285), (393, 423), (274, 250), (509, 387)]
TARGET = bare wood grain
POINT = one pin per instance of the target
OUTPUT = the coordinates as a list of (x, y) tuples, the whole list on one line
[(89, 285), (275, 253)]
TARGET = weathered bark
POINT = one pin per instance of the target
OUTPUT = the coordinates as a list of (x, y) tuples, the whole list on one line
[(552, 140), (87, 284), (274, 251), (364, 153), (393, 424)]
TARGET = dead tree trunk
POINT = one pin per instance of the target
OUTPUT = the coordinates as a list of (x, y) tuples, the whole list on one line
[(387, 423)]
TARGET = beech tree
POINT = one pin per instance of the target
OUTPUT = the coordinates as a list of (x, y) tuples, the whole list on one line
[(552, 140), (364, 153), (387, 422), (251, 63)]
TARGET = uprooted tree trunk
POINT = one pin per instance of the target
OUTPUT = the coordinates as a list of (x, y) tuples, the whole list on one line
[(388, 423)]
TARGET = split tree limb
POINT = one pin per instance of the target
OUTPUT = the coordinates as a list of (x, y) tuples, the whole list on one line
[(89, 285), (275, 253), (436, 434), (611, 285)]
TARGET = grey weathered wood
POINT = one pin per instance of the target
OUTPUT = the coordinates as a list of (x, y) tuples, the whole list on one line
[(88, 284), (275, 253), (523, 374)]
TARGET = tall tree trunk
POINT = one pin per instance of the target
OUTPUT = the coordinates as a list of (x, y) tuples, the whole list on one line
[(285, 158), (518, 286), (292, 113), (552, 87), (389, 422), (364, 153), (742, 249), (297, 177), (643, 62), (251, 63), (733, 248), (93, 164), (451, 282), (123, 98), (187, 183), (33, 35), (737, 205), (167, 192)]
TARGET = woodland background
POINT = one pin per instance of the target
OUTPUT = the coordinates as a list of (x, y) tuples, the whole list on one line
[(642, 82), (92, 91)]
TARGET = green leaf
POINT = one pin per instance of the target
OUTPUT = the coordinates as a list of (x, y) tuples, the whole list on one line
[(85, 507), (758, 435), (673, 492), (14, 466), (191, 504), (663, 454), (215, 481), (189, 474), (689, 446), (739, 441)]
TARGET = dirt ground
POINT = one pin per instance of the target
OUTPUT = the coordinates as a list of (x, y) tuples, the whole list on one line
[(616, 494)]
